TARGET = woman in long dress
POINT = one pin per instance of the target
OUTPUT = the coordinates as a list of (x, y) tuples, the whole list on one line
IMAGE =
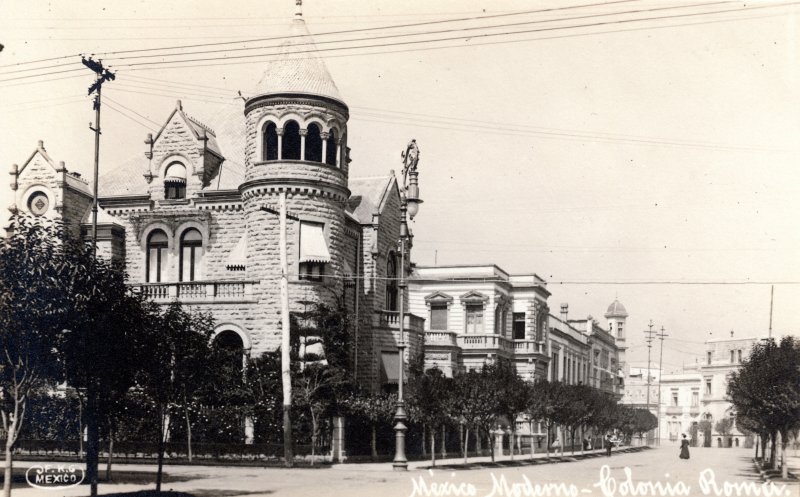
[(684, 448)]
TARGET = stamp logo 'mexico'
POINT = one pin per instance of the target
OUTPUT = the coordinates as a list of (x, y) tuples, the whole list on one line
[(54, 476)]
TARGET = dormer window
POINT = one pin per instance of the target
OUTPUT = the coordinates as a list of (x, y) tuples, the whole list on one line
[(175, 181)]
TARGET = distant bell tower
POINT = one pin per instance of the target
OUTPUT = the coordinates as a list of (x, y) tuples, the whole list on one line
[(616, 315)]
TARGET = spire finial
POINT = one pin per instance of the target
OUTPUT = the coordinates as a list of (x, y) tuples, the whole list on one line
[(298, 8)]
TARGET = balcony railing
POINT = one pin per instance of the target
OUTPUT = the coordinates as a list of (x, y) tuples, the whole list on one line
[(528, 347), (391, 319), (674, 410), (441, 338), (198, 291), (486, 342), (694, 411)]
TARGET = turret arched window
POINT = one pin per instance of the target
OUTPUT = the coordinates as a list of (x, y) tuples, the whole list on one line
[(156, 263), (313, 143), (330, 149), (291, 141), (269, 143), (191, 255)]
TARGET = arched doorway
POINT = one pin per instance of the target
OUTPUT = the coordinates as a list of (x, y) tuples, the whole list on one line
[(230, 346)]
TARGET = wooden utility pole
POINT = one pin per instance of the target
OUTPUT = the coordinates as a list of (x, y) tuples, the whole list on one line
[(101, 76), (661, 336), (649, 332), (286, 374)]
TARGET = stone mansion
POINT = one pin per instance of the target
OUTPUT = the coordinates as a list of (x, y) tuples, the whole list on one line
[(193, 215)]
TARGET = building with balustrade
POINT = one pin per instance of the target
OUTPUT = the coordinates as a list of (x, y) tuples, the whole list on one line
[(699, 393), (194, 214), (478, 313)]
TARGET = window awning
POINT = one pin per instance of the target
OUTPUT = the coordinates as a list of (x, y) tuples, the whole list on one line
[(390, 367), (313, 247), (237, 260), (175, 173)]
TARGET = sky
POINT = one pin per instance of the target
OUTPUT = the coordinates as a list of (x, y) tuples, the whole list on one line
[(639, 150)]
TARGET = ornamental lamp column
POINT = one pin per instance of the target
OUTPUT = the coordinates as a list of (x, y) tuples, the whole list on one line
[(409, 205)]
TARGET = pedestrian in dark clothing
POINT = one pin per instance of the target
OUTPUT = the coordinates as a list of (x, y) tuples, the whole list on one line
[(684, 448), (608, 445)]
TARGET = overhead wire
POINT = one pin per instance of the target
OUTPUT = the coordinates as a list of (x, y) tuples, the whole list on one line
[(345, 31)]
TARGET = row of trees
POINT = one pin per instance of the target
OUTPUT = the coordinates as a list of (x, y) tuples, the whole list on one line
[(479, 400), (67, 316), (765, 393)]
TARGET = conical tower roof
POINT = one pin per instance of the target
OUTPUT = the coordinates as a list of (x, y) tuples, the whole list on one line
[(298, 68)]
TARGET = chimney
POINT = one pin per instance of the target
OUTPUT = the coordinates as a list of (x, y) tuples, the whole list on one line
[(564, 311)]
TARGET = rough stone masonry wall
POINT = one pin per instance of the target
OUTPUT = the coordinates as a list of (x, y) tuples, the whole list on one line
[(263, 258), (176, 139)]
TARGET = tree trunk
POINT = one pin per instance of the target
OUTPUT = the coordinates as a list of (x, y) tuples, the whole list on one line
[(444, 441), (10, 439), (424, 438), (763, 441), (466, 443), (374, 443), (433, 447), (478, 448), (492, 443), (80, 426), (773, 449), (161, 446), (784, 468), (110, 451), (314, 429), (756, 445), (513, 438), (92, 440), (188, 430), (547, 441)]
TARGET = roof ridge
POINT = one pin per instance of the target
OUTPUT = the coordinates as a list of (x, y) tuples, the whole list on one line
[(197, 122)]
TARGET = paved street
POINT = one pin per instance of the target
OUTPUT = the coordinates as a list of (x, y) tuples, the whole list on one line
[(656, 465)]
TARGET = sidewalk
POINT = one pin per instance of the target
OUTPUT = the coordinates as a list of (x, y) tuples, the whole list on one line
[(486, 461)]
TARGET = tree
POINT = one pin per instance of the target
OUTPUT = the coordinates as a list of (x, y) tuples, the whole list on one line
[(513, 397), (177, 365), (766, 389), (374, 407), (546, 404), (477, 403), (429, 395), (31, 321), (724, 427)]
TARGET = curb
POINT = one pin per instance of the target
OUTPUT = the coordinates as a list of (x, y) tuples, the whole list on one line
[(530, 462), (771, 475)]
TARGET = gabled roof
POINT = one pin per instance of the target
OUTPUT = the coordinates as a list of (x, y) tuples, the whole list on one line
[(229, 141), (296, 68), (369, 196), (73, 180)]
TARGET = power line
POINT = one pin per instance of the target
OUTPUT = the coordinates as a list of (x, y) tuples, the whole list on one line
[(345, 31), (315, 43), (131, 110), (451, 38), (118, 111)]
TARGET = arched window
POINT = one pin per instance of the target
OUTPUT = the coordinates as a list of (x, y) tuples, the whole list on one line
[(291, 141), (269, 142), (313, 144), (229, 345), (156, 264), (391, 282), (175, 181), (191, 255), (330, 149)]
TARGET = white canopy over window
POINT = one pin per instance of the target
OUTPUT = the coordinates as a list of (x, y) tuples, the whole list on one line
[(175, 173), (313, 247)]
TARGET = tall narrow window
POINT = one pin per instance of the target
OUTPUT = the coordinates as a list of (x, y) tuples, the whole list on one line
[(291, 141), (269, 144), (708, 357), (732, 356), (313, 144), (191, 255), (695, 398), (391, 282), (175, 181), (474, 319), (314, 254), (330, 149), (438, 317), (519, 325), (739, 358), (157, 244)]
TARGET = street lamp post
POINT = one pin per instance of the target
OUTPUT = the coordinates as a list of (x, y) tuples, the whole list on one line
[(409, 206)]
